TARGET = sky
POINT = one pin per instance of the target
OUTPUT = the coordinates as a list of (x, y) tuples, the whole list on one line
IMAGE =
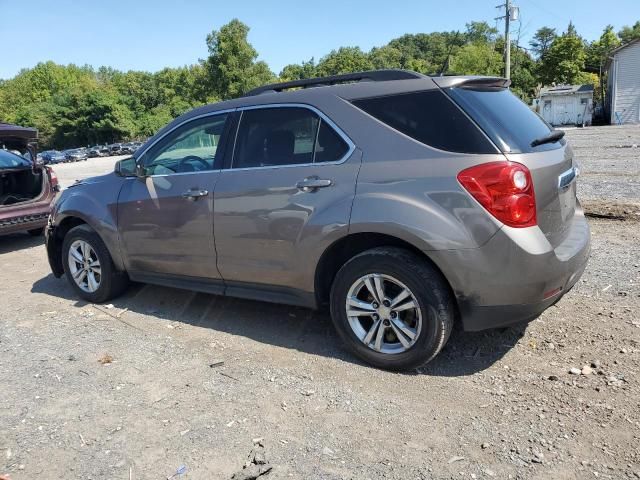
[(150, 35)]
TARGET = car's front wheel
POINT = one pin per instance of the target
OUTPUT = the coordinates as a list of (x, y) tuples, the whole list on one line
[(89, 267), (392, 308)]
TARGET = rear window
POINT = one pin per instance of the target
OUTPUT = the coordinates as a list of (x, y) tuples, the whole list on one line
[(430, 118), (510, 123), (11, 160)]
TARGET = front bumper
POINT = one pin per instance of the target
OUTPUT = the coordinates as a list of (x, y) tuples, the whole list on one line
[(516, 275)]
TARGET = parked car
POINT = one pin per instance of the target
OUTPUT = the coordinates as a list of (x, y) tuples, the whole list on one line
[(76, 154), (403, 202), (114, 148), (97, 151), (27, 187), (52, 157)]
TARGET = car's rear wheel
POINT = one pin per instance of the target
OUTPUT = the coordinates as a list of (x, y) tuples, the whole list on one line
[(89, 267), (392, 308)]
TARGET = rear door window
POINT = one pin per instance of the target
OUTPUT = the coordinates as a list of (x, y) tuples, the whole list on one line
[(280, 136), (509, 122), (429, 117)]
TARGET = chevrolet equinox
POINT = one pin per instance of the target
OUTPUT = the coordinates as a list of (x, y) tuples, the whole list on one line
[(404, 202)]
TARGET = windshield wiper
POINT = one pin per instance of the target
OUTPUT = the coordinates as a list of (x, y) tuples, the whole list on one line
[(553, 136)]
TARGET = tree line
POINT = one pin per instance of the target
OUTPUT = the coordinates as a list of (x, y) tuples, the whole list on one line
[(79, 105)]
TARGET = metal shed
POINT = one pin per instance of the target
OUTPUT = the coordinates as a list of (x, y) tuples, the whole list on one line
[(566, 104), (623, 84)]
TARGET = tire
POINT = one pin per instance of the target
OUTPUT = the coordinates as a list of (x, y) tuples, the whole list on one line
[(36, 232), (400, 269), (111, 282)]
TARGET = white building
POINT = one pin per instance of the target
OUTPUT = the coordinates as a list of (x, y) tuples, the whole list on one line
[(623, 84), (566, 104)]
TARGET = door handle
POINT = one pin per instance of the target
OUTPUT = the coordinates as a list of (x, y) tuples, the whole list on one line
[(311, 184), (195, 194)]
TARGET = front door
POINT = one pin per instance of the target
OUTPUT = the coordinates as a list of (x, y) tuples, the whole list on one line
[(165, 219), (290, 185)]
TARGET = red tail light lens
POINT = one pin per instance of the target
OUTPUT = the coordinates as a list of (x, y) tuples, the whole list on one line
[(53, 178), (505, 189)]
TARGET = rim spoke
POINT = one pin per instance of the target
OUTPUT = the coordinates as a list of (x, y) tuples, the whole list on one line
[(78, 273), (359, 313), (77, 256), (405, 306), (401, 296), (97, 270), (379, 338), (85, 250), (372, 289), (95, 264), (379, 284), (400, 336), (372, 331), (91, 282), (400, 325), (354, 302)]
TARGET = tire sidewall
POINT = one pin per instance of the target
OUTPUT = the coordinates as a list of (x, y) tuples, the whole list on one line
[(427, 288)]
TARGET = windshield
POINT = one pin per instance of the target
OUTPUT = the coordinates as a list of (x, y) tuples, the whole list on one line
[(11, 160), (509, 122)]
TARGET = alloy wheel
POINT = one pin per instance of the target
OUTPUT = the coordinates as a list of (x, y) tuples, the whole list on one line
[(84, 266), (383, 313)]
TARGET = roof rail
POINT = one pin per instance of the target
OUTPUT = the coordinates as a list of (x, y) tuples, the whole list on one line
[(369, 76)]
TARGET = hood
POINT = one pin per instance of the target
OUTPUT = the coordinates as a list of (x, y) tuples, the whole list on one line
[(93, 180)]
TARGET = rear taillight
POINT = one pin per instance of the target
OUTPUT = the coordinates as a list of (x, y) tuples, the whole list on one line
[(53, 179), (505, 189)]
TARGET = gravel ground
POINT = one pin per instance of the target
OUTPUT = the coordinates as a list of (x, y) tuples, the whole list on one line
[(164, 378)]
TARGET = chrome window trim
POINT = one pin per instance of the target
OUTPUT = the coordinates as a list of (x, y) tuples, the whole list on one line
[(188, 120), (323, 117)]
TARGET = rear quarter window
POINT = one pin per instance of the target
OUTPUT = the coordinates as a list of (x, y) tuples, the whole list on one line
[(509, 122), (431, 118)]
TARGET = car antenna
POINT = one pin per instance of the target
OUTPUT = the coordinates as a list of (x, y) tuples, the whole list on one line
[(446, 61)]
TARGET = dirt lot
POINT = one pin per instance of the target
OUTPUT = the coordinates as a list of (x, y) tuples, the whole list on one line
[(136, 389)]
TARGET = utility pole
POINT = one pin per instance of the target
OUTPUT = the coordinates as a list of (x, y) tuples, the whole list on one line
[(510, 13)]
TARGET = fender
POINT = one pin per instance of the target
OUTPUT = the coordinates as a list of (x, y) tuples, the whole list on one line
[(98, 210)]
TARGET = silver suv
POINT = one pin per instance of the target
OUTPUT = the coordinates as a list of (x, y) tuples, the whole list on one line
[(405, 203)]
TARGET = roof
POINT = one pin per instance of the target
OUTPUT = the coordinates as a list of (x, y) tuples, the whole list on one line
[(622, 47), (337, 88), (617, 50), (566, 90)]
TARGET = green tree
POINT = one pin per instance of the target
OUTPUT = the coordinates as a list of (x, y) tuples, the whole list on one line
[(343, 60), (232, 66), (385, 57), (300, 71), (542, 40), (481, 32), (476, 59), (628, 34), (565, 59)]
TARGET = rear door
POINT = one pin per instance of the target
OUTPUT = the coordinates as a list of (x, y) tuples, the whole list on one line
[(290, 184), (165, 219)]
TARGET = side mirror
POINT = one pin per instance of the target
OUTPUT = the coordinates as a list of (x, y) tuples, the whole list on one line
[(127, 167)]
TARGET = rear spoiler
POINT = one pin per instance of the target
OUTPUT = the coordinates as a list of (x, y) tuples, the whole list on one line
[(471, 82)]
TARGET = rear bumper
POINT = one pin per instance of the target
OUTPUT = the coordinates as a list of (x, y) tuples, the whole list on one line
[(22, 223), (516, 275)]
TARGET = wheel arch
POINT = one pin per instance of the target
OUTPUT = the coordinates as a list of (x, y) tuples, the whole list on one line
[(345, 248), (56, 239)]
